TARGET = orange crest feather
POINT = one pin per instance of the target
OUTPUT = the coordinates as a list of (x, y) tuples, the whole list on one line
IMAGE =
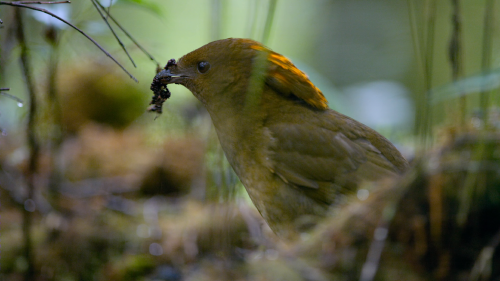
[(287, 79)]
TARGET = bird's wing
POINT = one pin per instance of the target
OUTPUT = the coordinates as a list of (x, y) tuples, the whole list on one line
[(308, 155)]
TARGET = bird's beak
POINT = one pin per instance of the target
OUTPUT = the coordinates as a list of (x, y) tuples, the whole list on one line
[(167, 76)]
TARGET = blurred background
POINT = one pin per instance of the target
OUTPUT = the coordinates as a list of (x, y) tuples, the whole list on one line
[(93, 187)]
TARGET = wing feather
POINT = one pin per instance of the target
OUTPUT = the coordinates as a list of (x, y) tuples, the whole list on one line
[(312, 156)]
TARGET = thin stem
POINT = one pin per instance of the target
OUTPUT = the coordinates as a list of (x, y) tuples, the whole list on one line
[(486, 59), (40, 2), (127, 34), (251, 18), (429, 59), (269, 21), (112, 31), (108, 10), (417, 48), (57, 137), (14, 4), (415, 36), (216, 29), (33, 145), (10, 96), (253, 31), (456, 56)]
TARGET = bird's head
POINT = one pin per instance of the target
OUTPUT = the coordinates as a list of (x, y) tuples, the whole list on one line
[(232, 71)]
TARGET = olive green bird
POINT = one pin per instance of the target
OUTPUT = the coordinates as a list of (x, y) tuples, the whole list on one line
[(295, 156)]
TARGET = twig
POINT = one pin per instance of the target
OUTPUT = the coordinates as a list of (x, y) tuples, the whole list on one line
[(14, 4), (40, 2), (128, 34), (2, 90), (112, 31)]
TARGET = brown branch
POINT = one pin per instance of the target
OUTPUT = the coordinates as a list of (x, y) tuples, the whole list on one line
[(14, 4), (112, 31), (127, 34)]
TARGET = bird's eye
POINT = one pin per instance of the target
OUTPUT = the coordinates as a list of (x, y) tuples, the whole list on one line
[(203, 66)]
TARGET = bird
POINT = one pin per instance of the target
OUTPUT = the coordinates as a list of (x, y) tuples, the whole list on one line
[(294, 155)]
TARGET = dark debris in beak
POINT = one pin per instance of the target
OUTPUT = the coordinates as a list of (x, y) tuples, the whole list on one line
[(159, 88)]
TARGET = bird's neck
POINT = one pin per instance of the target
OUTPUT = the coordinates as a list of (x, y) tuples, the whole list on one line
[(239, 132)]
